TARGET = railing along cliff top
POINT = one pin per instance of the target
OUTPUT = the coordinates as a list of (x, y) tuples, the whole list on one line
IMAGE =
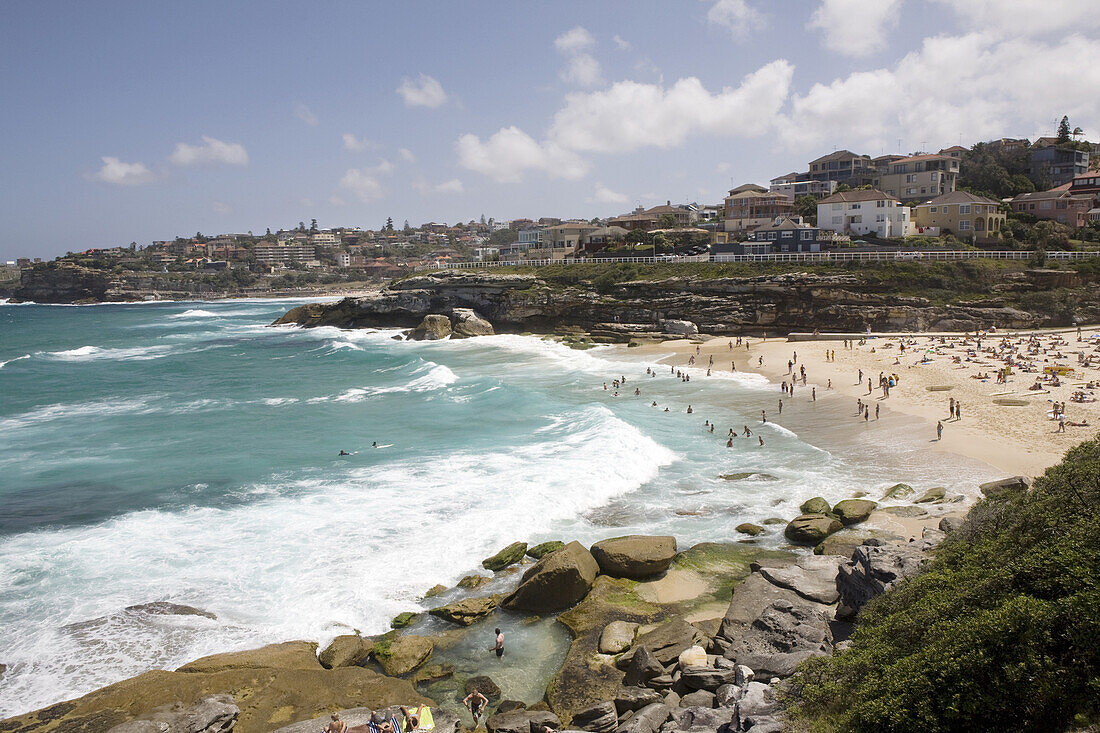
[(836, 256)]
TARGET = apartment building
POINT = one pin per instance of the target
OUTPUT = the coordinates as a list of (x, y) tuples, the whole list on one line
[(864, 212), (1060, 205), (918, 177), (793, 187), (968, 216), (1058, 165), (270, 253), (843, 166), (749, 206)]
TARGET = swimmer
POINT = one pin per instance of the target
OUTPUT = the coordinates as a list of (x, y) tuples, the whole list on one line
[(761, 439), (689, 410), (344, 453), (653, 404), (374, 444)]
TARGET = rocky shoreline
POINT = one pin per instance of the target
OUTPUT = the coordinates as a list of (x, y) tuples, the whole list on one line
[(632, 309), (661, 639)]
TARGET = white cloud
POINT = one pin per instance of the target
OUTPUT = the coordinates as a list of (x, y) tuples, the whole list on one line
[(211, 151), (581, 68), (363, 183), (1024, 17), (604, 195), (510, 152), (122, 174), (356, 144), (336, 201), (222, 208), (855, 27), (572, 41), (976, 85), (452, 186), (422, 92), (406, 155), (305, 114), (737, 16), (623, 44), (630, 115), (584, 70)]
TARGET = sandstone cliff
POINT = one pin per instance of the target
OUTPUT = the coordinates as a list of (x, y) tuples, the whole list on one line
[(845, 301)]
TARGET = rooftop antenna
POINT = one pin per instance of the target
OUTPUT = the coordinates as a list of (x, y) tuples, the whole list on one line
[(899, 144)]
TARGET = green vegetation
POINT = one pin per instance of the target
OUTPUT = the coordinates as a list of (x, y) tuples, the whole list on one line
[(1002, 631)]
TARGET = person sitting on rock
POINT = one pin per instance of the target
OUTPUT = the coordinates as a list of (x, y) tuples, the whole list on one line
[(336, 725)]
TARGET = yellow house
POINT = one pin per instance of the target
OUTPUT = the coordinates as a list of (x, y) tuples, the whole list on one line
[(963, 214)]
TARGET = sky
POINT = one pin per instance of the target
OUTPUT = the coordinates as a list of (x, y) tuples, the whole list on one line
[(147, 120)]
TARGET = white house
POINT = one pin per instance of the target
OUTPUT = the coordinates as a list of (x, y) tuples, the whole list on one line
[(864, 212)]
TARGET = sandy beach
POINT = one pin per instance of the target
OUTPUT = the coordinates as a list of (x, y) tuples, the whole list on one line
[(1006, 425)]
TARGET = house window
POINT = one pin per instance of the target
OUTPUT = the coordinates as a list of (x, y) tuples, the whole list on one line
[(807, 235), (880, 203), (932, 209), (1044, 204), (787, 235), (934, 177), (837, 219), (964, 225), (880, 217), (910, 179), (964, 208)]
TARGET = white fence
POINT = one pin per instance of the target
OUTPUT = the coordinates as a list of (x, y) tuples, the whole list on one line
[(834, 256)]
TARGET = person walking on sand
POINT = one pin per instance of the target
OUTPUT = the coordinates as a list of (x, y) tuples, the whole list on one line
[(958, 411), (951, 407), (499, 647), (475, 702), (780, 407), (876, 411), (813, 394), (939, 430)]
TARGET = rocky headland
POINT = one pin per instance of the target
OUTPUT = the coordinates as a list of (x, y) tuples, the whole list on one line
[(660, 638), (622, 310)]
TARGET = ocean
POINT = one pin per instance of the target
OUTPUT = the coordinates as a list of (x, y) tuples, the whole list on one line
[(188, 453)]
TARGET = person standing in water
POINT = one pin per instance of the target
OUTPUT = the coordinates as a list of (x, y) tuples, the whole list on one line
[(499, 647), (475, 702)]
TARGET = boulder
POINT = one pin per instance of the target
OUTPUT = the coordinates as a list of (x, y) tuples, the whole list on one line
[(467, 611), (633, 698), (750, 529), (845, 542), (782, 637), (744, 675), (166, 608), (521, 721), (904, 511), (758, 699), (468, 323), (702, 718), (510, 555), (931, 495), (543, 549), (698, 699), (693, 656), (669, 639), (483, 684), (811, 576), (898, 491), (600, 718), (950, 524), (433, 672), (816, 505), (473, 582), (403, 654), (403, 619), (287, 655), (557, 581), (679, 328), (507, 706), (993, 489), (671, 699), (647, 720), (435, 590), (809, 529), (214, 714), (854, 511), (635, 556), (707, 678), (617, 637), (433, 328), (872, 571), (347, 650), (269, 698), (727, 695), (641, 667)]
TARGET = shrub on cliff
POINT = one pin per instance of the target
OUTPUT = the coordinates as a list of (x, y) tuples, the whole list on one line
[(1002, 632)]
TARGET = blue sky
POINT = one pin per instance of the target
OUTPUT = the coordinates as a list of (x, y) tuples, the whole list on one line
[(137, 121)]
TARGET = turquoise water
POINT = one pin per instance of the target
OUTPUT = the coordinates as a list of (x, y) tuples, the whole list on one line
[(187, 452)]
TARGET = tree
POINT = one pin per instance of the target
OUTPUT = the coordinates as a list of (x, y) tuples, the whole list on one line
[(1077, 133), (389, 224), (406, 228), (667, 221), (301, 226), (842, 188), (313, 225), (268, 232), (806, 207), (1063, 130)]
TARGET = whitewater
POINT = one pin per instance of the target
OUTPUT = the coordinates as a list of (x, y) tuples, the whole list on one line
[(188, 452)]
